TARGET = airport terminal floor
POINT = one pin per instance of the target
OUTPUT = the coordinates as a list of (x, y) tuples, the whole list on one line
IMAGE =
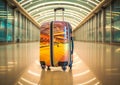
[(35, 33), (93, 64)]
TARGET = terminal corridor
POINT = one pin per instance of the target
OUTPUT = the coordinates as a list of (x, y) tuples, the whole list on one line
[(79, 44)]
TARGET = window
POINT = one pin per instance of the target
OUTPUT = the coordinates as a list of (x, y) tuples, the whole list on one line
[(116, 21), (107, 24), (10, 24), (3, 15)]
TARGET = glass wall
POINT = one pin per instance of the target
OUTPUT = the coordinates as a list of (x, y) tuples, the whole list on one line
[(97, 24), (20, 27), (90, 30), (116, 21), (15, 27), (107, 24), (103, 27), (99, 27), (9, 24), (94, 29), (23, 28), (28, 30), (3, 16)]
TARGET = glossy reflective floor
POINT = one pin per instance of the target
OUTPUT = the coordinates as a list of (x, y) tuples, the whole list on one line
[(94, 64)]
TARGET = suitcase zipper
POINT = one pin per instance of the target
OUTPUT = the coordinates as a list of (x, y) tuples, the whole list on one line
[(51, 43)]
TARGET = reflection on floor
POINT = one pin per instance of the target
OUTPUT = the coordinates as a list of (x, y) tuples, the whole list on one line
[(79, 75), (94, 64), (14, 58), (102, 59)]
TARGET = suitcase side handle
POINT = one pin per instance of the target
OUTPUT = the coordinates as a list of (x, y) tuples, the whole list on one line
[(72, 45), (72, 42)]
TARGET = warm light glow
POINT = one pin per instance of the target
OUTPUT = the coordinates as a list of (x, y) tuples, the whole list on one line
[(76, 58), (117, 28), (8, 67), (33, 73), (117, 50), (81, 74), (67, 11), (20, 83), (12, 62), (84, 12), (26, 2), (72, 15), (60, 2), (93, 2), (37, 62), (31, 83), (87, 81), (97, 83), (77, 63)]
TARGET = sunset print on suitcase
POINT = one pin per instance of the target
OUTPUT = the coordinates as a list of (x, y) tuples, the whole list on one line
[(56, 39)]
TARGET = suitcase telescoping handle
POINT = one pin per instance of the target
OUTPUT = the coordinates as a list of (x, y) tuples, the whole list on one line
[(56, 9)]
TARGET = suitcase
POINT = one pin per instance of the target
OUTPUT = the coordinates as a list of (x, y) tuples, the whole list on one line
[(56, 44)]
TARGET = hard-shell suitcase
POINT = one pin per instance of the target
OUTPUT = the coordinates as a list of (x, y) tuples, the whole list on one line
[(56, 44)]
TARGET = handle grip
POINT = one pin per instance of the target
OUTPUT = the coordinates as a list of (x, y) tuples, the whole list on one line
[(59, 9)]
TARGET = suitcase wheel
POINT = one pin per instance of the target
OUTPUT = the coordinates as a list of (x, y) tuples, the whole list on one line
[(64, 68), (48, 68), (70, 66), (43, 67)]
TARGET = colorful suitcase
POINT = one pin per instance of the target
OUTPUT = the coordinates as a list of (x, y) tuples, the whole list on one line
[(56, 44)]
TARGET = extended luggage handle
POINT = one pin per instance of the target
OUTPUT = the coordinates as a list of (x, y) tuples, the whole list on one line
[(56, 9)]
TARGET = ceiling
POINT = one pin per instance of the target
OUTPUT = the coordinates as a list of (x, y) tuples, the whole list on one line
[(43, 10)]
